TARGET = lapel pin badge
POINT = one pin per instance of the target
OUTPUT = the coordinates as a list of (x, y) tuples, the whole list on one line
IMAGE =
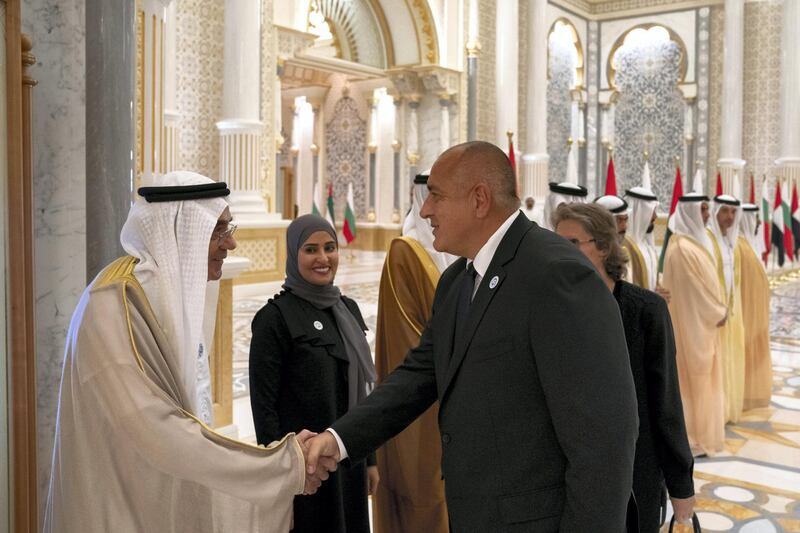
[(494, 282), (318, 325)]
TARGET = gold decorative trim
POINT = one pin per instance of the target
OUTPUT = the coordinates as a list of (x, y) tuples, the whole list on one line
[(152, 165), (161, 158), (683, 66), (139, 93), (386, 32), (429, 35)]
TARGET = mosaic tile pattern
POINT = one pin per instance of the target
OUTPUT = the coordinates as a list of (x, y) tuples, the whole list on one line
[(346, 161), (649, 115), (559, 107), (701, 132)]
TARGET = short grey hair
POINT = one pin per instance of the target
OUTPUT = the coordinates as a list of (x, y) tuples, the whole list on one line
[(598, 222)]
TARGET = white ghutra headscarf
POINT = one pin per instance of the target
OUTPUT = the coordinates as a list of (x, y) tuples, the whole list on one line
[(418, 228), (171, 241)]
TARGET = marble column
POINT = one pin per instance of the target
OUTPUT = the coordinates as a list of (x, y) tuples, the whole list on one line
[(109, 128), (170, 136), (151, 27), (790, 89), (473, 51), (534, 162), (385, 113), (412, 139), (372, 148), (507, 71), (444, 123), (57, 29), (302, 141), (732, 90), (241, 129)]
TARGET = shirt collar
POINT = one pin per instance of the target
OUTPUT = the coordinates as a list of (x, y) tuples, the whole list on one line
[(484, 256)]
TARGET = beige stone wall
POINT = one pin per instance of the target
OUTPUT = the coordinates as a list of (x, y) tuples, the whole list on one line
[(761, 99), (521, 136), (200, 63), (714, 94), (269, 65), (761, 122), (487, 94)]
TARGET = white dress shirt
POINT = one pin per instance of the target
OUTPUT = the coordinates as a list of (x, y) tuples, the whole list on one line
[(481, 264)]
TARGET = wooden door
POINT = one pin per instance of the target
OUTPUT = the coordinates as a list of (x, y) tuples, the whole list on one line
[(19, 322)]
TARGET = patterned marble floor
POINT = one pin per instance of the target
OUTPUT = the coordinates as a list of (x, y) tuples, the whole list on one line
[(752, 487)]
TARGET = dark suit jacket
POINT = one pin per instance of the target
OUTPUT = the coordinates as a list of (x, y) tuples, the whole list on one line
[(537, 405), (298, 380), (662, 450)]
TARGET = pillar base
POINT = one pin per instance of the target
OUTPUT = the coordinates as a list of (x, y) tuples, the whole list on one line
[(728, 168), (790, 168), (534, 176)]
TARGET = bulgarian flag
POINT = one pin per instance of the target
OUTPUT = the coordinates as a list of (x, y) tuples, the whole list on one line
[(349, 228), (329, 212), (777, 225), (719, 184), (677, 192), (611, 178), (765, 218), (788, 238), (795, 221), (314, 208)]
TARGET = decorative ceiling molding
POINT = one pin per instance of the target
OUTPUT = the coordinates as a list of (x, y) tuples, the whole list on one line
[(616, 9), (426, 31)]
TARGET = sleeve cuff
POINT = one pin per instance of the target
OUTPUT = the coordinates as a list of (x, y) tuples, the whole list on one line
[(342, 450)]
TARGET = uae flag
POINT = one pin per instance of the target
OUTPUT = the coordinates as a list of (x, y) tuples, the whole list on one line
[(752, 198), (788, 238), (349, 228), (329, 212), (611, 178), (719, 184), (795, 221), (765, 218), (777, 225), (677, 192)]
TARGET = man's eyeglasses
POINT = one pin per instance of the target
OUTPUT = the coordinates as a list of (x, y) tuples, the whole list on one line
[(220, 236), (577, 242)]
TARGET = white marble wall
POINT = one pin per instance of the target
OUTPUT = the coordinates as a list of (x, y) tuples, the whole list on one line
[(59, 174), (430, 120)]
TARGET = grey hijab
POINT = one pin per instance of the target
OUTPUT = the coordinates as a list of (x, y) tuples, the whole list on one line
[(361, 373)]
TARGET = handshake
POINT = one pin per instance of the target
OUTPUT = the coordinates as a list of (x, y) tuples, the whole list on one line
[(321, 453)]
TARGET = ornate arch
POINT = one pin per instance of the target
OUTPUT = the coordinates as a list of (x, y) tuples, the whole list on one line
[(611, 67), (576, 40), (359, 34)]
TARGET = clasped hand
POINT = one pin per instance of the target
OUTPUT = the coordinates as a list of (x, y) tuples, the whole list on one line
[(320, 461)]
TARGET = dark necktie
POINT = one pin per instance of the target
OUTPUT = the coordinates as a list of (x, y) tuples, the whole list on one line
[(465, 290)]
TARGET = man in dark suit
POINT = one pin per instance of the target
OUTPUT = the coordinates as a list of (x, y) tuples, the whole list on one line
[(526, 354)]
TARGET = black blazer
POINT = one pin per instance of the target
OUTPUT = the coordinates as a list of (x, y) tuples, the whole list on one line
[(662, 450), (537, 405), (298, 380)]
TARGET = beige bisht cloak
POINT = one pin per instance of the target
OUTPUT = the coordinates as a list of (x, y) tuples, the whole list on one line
[(128, 455), (637, 266), (696, 307), (731, 336), (755, 312), (410, 496)]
